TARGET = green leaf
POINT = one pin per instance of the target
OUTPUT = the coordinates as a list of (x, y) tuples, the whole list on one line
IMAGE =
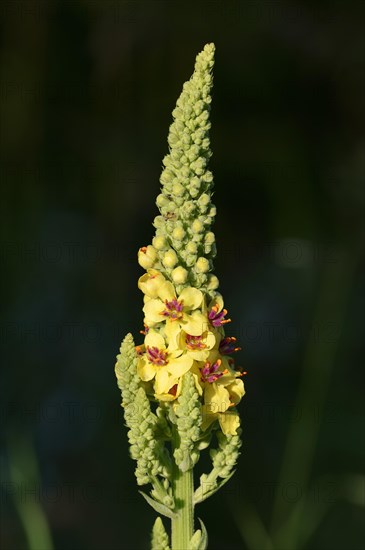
[(159, 507), (202, 539), (200, 495)]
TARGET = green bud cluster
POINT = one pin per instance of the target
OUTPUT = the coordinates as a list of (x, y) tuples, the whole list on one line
[(188, 420), (126, 371), (225, 457), (184, 245), (141, 436), (145, 447), (159, 540)]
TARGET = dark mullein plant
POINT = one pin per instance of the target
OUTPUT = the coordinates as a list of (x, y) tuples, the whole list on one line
[(180, 386)]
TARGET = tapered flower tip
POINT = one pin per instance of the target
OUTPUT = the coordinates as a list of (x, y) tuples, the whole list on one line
[(205, 59)]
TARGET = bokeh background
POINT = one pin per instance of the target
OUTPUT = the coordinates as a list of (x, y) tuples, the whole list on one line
[(87, 90)]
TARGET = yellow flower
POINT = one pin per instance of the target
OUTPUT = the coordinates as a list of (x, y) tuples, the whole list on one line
[(161, 363), (181, 310), (198, 347), (219, 401), (151, 282)]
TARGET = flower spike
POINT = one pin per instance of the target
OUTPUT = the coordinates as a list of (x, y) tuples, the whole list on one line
[(180, 388)]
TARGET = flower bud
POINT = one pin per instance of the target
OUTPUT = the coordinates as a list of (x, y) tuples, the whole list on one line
[(170, 258), (178, 233), (158, 222), (209, 237), (159, 242), (190, 260), (178, 189), (147, 256), (192, 247), (213, 282), (202, 265), (179, 275), (204, 200), (197, 226)]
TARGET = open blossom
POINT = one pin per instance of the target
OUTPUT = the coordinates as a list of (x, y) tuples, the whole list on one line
[(181, 310), (160, 363), (198, 347)]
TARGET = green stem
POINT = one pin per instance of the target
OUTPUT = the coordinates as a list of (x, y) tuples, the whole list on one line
[(183, 524)]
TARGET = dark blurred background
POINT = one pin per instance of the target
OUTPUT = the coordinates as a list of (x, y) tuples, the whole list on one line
[(87, 90)]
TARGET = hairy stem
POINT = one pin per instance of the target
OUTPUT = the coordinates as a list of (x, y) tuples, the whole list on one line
[(183, 524)]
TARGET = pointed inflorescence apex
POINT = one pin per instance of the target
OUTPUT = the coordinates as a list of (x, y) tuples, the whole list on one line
[(126, 371), (184, 245), (160, 540)]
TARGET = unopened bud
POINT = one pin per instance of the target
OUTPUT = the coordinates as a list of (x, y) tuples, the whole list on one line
[(213, 282), (202, 265), (147, 256), (170, 258), (209, 237), (159, 242), (178, 233), (179, 275), (192, 247), (197, 226)]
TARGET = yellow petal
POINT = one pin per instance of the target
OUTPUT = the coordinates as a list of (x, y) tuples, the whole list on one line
[(199, 355), (197, 377), (152, 311), (236, 391), (192, 298), (172, 332), (162, 381), (150, 282), (216, 397), (146, 371), (229, 422), (217, 300), (165, 396), (194, 324), (179, 366), (207, 418), (154, 339), (166, 291), (163, 388)]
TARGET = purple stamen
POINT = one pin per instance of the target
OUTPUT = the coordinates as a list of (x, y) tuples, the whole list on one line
[(209, 371), (173, 309), (156, 356), (194, 342), (217, 317), (228, 345)]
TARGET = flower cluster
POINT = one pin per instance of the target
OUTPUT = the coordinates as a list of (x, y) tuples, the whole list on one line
[(185, 333)]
